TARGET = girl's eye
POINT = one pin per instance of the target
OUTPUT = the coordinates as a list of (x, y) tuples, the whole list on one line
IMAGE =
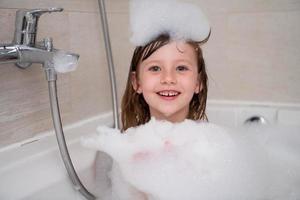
[(154, 68), (182, 68)]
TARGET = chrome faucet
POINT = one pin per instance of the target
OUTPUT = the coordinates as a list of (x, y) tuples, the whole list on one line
[(24, 50), (27, 24)]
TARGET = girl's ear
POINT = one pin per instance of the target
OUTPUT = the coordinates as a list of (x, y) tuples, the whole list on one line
[(199, 87), (134, 83)]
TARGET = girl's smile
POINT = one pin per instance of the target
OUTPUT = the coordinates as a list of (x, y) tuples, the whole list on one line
[(168, 94), (168, 80)]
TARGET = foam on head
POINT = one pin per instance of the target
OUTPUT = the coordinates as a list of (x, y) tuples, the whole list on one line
[(151, 18)]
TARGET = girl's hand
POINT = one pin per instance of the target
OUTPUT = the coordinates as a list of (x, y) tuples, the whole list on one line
[(148, 154)]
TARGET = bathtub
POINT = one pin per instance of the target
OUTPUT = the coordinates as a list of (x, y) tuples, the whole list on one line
[(33, 169)]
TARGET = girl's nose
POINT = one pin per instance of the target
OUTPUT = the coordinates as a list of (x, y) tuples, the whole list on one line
[(168, 77)]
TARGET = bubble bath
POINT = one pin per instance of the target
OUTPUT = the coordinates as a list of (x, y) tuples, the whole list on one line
[(195, 160)]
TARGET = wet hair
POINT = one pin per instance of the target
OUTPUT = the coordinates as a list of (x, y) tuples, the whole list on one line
[(134, 109)]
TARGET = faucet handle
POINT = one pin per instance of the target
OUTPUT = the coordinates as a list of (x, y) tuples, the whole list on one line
[(26, 24), (39, 12)]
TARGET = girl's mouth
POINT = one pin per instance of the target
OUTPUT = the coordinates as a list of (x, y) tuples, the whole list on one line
[(168, 94)]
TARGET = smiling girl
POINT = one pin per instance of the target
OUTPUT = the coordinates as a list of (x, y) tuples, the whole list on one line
[(167, 80)]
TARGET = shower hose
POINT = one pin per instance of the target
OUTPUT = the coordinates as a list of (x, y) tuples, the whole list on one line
[(51, 78), (61, 139)]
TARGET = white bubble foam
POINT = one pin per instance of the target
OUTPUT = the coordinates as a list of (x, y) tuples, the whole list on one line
[(182, 21), (192, 160), (64, 62)]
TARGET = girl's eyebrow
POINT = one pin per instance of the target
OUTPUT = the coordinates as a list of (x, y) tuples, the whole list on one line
[(184, 60), (146, 62)]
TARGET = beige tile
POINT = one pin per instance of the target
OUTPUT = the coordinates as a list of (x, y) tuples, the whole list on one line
[(24, 99), (242, 6), (257, 48), (68, 5), (56, 26), (121, 47), (112, 6), (292, 58), (214, 52), (117, 6), (90, 82), (7, 25)]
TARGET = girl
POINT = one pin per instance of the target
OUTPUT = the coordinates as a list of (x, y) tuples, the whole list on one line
[(161, 159), (167, 77), (167, 80)]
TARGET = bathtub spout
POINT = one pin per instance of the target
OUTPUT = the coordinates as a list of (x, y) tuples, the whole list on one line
[(8, 54), (23, 56)]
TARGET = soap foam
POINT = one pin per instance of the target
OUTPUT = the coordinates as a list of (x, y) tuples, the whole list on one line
[(182, 21), (64, 62), (192, 160)]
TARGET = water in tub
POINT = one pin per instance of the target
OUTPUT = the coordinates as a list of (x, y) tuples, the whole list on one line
[(195, 160)]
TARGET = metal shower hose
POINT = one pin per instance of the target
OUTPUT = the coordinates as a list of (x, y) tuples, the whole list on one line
[(51, 77)]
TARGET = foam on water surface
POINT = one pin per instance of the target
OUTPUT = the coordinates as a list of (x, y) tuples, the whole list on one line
[(192, 160)]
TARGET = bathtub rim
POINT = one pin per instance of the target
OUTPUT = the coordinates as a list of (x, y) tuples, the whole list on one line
[(46, 141), (106, 118)]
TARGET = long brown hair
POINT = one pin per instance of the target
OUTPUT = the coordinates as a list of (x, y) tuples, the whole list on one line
[(134, 109)]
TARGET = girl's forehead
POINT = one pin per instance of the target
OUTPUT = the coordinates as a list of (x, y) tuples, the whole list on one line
[(174, 50)]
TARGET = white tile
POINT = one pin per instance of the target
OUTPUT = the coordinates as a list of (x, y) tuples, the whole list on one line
[(289, 117), (222, 115)]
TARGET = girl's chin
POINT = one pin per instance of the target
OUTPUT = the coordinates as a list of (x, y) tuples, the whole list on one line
[(172, 117), (168, 98)]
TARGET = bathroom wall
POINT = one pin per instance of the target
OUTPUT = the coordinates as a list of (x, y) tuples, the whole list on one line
[(24, 104), (252, 55)]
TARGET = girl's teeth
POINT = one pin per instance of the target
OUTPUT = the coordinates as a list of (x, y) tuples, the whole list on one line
[(168, 94)]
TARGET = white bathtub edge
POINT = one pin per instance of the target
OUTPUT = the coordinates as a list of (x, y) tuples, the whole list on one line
[(43, 143), (103, 118), (214, 102), (35, 164)]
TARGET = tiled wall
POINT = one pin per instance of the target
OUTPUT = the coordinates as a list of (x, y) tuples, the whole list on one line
[(24, 103), (252, 55)]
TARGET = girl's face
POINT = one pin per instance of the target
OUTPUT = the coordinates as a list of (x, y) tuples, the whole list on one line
[(168, 80)]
